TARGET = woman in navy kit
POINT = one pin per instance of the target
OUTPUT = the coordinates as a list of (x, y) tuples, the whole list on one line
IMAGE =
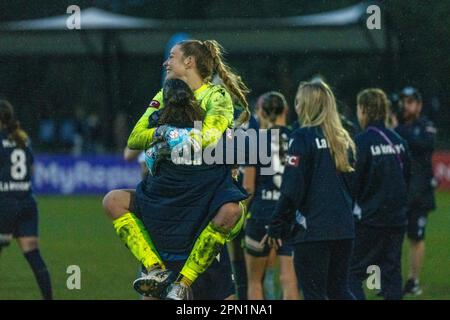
[(314, 211), (18, 209), (178, 191), (265, 189), (380, 186)]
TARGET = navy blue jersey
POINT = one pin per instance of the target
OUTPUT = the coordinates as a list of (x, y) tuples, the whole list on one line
[(251, 124), (381, 176), (420, 136), (15, 169), (348, 125), (267, 186), (313, 191), (294, 125)]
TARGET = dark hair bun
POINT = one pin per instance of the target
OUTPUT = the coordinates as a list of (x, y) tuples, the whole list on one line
[(273, 103), (176, 93), (179, 99)]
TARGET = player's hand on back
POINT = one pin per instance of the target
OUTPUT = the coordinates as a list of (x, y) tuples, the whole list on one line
[(177, 137)]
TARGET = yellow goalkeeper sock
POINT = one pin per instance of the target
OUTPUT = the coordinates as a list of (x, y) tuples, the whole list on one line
[(240, 224), (206, 248), (132, 232)]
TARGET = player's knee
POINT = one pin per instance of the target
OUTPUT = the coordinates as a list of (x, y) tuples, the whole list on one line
[(228, 215), (287, 280), (28, 244), (111, 204)]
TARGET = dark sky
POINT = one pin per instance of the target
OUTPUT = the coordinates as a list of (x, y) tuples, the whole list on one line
[(172, 9)]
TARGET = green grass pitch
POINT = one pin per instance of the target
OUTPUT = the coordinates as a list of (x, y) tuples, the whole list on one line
[(74, 231)]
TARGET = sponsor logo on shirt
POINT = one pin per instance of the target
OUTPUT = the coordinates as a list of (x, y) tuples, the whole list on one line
[(385, 149), (292, 161), (321, 143), (301, 219), (174, 134), (8, 143), (11, 186), (431, 130), (155, 104)]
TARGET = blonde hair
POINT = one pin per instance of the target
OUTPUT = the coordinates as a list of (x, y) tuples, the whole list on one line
[(316, 106), (209, 59)]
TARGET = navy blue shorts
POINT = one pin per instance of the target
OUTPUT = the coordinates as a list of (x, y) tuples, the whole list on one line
[(19, 217), (216, 283), (255, 230), (417, 222)]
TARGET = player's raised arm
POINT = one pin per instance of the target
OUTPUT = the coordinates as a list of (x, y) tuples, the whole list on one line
[(142, 134)]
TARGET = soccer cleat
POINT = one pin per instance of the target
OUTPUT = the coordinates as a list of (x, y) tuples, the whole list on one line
[(412, 287), (179, 291), (154, 283)]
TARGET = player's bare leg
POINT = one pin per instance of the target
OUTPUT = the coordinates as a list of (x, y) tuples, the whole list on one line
[(256, 267), (416, 257), (288, 278), (118, 202)]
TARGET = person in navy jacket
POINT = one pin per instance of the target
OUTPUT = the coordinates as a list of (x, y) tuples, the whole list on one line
[(420, 133), (314, 211), (380, 189)]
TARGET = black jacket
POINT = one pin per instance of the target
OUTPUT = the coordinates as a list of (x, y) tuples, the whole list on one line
[(420, 136)]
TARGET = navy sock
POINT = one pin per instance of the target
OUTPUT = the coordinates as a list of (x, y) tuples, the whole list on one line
[(40, 272), (240, 277)]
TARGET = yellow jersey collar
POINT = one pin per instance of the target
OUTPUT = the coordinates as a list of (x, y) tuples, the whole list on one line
[(199, 91)]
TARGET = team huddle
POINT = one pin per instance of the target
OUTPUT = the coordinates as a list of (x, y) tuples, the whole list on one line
[(334, 205)]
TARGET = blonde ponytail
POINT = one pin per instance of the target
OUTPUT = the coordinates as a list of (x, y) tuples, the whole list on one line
[(231, 80), (209, 58)]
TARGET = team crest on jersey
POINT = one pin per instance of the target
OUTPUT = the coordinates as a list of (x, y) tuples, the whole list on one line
[(229, 133), (174, 134), (155, 104), (292, 161)]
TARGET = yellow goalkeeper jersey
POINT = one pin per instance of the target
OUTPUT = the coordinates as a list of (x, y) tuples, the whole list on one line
[(214, 99)]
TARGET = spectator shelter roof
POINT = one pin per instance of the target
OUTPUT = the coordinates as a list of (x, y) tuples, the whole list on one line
[(343, 30)]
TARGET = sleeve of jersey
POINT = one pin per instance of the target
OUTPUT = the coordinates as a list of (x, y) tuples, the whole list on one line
[(141, 136), (294, 176), (358, 176), (219, 116), (292, 188), (426, 139), (407, 164), (282, 216)]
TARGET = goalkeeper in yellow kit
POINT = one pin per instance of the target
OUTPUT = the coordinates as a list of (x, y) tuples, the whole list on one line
[(194, 62)]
